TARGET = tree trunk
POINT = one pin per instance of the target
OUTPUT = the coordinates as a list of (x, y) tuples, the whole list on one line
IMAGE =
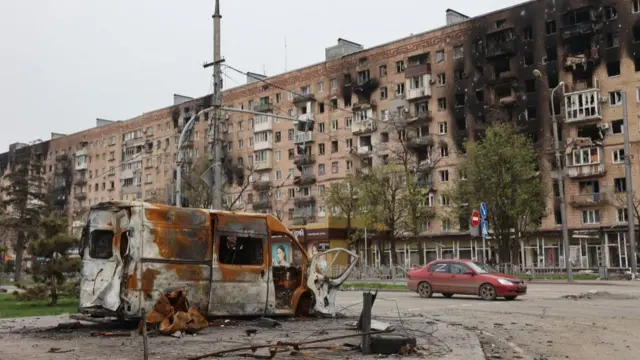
[(504, 250), (54, 291), (421, 258), (17, 275)]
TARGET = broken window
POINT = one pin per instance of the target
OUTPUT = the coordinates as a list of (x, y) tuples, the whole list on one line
[(480, 95), (240, 250), (610, 13), (442, 104), (363, 76), (528, 59), (612, 40), (615, 98), (552, 54), (101, 246), (550, 27), (440, 56), (441, 79), (531, 113), (620, 185), (400, 66), (383, 70), (458, 52), (527, 33), (459, 100), (613, 68), (618, 156), (617, 126), (592, 132)]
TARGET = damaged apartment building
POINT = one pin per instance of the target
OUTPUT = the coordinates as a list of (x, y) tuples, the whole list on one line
[(444, 86)]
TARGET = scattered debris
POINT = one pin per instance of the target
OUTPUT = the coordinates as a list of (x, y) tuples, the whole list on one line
[(59, 351), (599, 295), (111, 334), (281, 346), (264, 322), (392, 344), (173, 316), (375, 325), (67, 326), (250, 332)]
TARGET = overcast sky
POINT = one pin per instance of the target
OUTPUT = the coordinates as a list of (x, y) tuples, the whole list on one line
[(64, 63)]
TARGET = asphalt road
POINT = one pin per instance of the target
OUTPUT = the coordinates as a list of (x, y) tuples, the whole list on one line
[(539, 325)]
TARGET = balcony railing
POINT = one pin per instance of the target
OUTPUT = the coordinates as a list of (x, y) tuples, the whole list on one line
[(305, 179), (303, 98), (363, 127), (583, 28), (305, 136), (586, 200), (418, 93), (306, 159), (263, 123), (420, 142), (505, 48), (304, 200), (421, 116), (365, 150), (80, 181), (262, 205), (80, 196), (263, 107), (417, 70), (262, 145), (583, 105), (262, 185), (577, 172), (303, 213)]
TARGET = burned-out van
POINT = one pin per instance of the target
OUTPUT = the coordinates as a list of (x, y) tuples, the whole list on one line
[(228, 263)]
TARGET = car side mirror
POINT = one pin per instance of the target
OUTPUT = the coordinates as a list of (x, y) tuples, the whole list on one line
[(470, 272)]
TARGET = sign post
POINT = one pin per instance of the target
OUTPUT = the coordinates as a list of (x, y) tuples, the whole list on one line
[(484, 230)]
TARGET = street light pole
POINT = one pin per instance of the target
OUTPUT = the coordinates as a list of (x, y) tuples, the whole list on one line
[(560, 179), (186, 131)]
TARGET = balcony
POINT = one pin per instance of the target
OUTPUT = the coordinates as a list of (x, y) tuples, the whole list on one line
[(263, 165), (425, 166), (304, 200), (583, 105), (81, 153), (421, 116), (262, 204), (263, 107), (186, 144), (363, 127), (305, 117), (585, 171), (580, 29), (262, 185), (80, 196), (262, 123), (305, 179), (418, 88), (420, 143), (62, 157), (305, 159), (303, 136), (81, 164), (126, 174), (80, 181), (417, 70), (262, 145), (502, 49), (363, 104), (508, 101), (299, 99), (365, 150), (588, 200)]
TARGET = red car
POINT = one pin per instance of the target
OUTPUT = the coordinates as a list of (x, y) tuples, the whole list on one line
[(464, 277)]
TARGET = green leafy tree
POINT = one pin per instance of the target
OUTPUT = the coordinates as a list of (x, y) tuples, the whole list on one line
[(54, 263), (343, 196), (23, 201), (502, 171), (381, 194)]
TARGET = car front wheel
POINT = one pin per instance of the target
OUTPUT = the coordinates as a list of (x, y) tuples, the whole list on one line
[(424, 290), (488, 292)]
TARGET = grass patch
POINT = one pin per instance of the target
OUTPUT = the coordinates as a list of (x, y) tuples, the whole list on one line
[(373, 285), (11, 308), (25, 282)]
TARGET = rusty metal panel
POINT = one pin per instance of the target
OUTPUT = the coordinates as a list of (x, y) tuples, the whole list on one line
[(255, 225)]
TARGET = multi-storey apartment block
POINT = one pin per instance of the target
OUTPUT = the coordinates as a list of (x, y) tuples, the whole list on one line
[(444, 86)]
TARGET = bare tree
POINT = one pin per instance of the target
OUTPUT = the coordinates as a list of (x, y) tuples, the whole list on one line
[(620, 202), (343, 196)]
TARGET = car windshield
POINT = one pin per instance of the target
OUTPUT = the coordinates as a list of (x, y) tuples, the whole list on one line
[(481, 268)]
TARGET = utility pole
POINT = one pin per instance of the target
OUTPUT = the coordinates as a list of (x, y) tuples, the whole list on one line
[(560, 176), (216, 189), (630, 202)]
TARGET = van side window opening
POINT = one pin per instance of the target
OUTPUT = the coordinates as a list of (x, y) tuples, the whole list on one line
[(285, 253), (240, 250), (101, 244)]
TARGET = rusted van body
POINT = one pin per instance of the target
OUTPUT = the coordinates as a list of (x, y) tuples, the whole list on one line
[(230, 264)]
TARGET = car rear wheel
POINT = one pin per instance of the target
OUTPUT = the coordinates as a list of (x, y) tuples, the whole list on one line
[(447, 295), (424, 290), (488, 292), (509, 298)]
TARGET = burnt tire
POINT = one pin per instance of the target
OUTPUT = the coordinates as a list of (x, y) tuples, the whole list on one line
[(425, 290), (487, 292), (510, 298), (447, 295)]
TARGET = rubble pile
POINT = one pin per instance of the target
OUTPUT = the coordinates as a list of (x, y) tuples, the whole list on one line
[(173, 316)]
